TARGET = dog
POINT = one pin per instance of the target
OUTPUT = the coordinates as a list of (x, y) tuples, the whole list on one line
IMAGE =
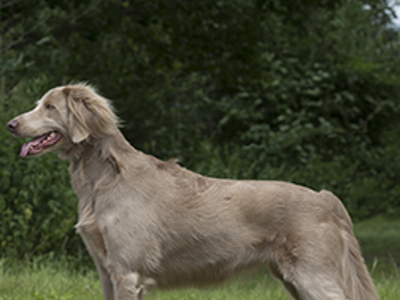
[(149, 222)]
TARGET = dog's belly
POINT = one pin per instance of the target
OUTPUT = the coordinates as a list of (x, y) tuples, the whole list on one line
[(209, 275), (202, 271)]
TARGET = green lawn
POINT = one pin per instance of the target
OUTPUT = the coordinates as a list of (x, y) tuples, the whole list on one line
[(41, 280), (379, 239)]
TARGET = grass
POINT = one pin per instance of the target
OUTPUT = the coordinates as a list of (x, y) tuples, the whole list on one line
[(379, 239), (52, 281), (45, 280)]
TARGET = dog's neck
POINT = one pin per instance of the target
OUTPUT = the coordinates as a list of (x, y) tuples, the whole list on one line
[(74, 152), (96, 163)]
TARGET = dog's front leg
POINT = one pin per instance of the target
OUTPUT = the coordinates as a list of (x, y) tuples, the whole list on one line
[(106, 283), (129, 287)]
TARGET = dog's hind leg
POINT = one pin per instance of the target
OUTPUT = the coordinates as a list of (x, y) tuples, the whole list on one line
[(311, 270), (288, 285), (305, 284), (318, 286)]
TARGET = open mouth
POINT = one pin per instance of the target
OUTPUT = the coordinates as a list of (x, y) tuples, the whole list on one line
[(39, 144)]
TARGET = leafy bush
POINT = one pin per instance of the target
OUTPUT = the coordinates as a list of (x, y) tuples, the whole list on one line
[(304, 91), (37, 205)]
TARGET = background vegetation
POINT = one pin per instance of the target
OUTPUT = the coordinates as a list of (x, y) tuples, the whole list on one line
[(305, 91)]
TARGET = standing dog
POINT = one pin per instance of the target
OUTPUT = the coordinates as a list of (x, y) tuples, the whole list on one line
[(145, 221)]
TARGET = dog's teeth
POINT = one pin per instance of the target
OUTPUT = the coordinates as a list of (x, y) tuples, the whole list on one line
[(31, 147), (52, 134)]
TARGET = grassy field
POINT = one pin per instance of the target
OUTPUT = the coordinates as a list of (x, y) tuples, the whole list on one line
[(44, 280)]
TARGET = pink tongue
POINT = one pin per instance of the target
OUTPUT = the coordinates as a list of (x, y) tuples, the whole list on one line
[(24, 150), (26, 147)]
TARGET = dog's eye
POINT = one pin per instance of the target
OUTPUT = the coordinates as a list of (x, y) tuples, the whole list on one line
[(49, 106)]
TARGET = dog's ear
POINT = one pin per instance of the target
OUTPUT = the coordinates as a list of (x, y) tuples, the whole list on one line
[(89, 114), (78, 116)]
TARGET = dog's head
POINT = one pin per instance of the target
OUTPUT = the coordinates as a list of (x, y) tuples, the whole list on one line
[(64, 117)]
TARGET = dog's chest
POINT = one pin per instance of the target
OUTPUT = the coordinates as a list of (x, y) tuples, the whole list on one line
[(87, 226), (89, 230)]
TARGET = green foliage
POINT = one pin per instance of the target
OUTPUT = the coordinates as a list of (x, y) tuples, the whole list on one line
[(304, 91)]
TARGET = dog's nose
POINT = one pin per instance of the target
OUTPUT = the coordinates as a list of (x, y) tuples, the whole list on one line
[(12, 125)]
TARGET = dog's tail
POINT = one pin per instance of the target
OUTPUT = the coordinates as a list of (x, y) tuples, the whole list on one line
[(357, 282)]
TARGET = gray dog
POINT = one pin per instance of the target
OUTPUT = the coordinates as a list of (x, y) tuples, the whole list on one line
[(148, 222)]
